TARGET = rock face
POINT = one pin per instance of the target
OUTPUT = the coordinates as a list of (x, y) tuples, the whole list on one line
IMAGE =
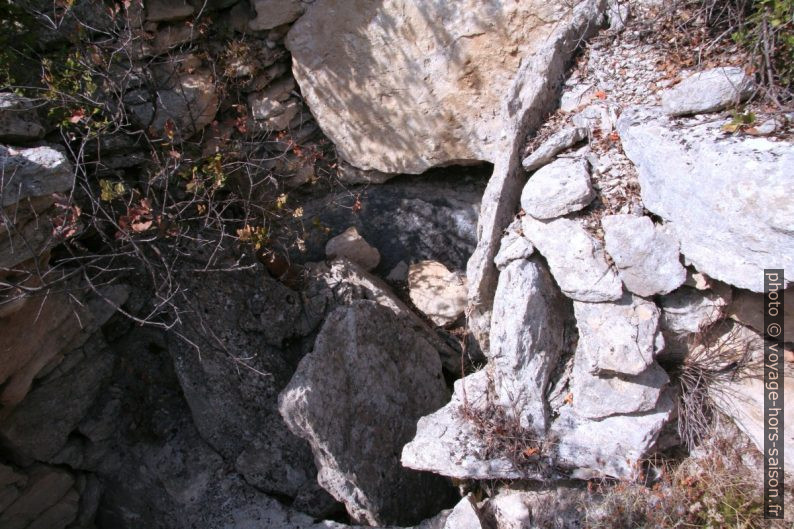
[(576, 259), (557, 189), (550, 148), (351, 245), (729, 236), (437, 292), (708, 91), (356, 399), (646, 257), (434, 95), (18, 119)]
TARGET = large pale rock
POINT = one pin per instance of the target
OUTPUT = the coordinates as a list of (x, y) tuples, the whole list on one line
[(576, 259), (356, 398), (708, 91), (555, 144), (557, 189), (272, 13), (18, 118), (437, 292), (351, 245), (528, 338), (532, 95), (435, 94), (597, 397), (726, 199), (748, 309), (557, 505), (618, 337), (447, 442), (645, 255), (613, 446)]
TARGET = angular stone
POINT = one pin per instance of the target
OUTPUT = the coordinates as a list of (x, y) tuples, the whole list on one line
[(742, 397), (731, 226), (597, 397), (608, 447), (557, 189), (273, 13), (646, 257), (514, 246), (351, 245), (576, 259), (708, 91), (557, 505), (596, 117), (618, 337), (447, 443), (527, 339), (269, 102), (431, 97), (18, 118), (436, 292), (356, 398), (555, 144)]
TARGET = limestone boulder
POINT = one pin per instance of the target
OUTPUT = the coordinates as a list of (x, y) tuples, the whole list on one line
[(351, 245), (620, 337), (527, 339), (356, 399), (555, 144), (645, 255), (576, 259), (557, 189), (725, 198), (708, 91), (612, 446), (437, 292), (435, 94)]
